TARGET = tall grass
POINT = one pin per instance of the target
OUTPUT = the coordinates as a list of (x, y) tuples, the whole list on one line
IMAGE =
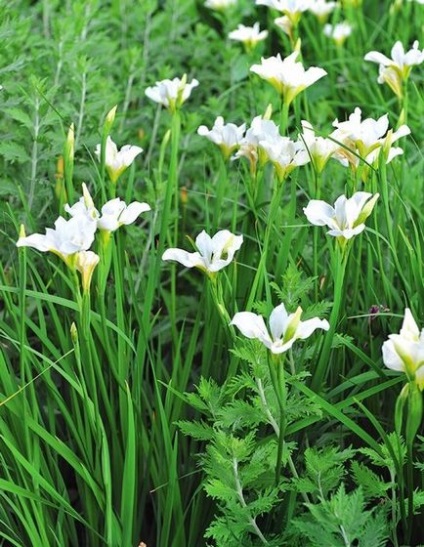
[(125, 410)]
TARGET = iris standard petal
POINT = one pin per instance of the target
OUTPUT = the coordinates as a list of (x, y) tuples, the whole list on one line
[(225, 244), (354, 206), (278, 321), (398, 54), (409, 330), (204, 245)]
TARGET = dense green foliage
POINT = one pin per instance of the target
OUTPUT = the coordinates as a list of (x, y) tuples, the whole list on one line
[(134, 412)]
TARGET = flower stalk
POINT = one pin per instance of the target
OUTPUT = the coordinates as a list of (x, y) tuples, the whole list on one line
[(171, 189), (261, 272), (276, 371), (107, 126), (217, 293), (340, 256), (284, 116)]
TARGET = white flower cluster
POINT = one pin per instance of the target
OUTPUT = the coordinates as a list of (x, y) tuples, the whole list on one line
[(249, 36), (288, 76), (366, 139), (346, 219), (353, 140), (395, 71), (117, 161), (261, 142), (71, 239), (171, 93)]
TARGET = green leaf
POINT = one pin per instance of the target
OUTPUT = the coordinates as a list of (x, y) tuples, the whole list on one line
[(21, 116), (13, 152), (372, 485), (198, 430)]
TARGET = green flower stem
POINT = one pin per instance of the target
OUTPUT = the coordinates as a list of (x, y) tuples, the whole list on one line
[(152, 287), (394, 507), (99, 457), (284, 116), (253, 189), (276, 371), (30, 402), (88, 416), (221, 186), (171, 189), (171, 194), (389, 223), (316, 235), (404, 104), (292, 363), (410, 489), (340, 257), (217, 294), (294, 35), (261, 272), (84, 320), (102, 175), (286, 247), (298, 111), (413, 423), (273, 422), (173, 168), (106, 337), (318, 182), (119, 266), (105, 253), (315, 266), (252, 88), (110, 249), (216, 290), (92, 370), (112, 189), (383, 267), (22, 315)]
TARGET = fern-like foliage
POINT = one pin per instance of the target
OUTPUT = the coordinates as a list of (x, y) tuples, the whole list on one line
[(324, 470), (343, 520), (293, 287), (245, 472)]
